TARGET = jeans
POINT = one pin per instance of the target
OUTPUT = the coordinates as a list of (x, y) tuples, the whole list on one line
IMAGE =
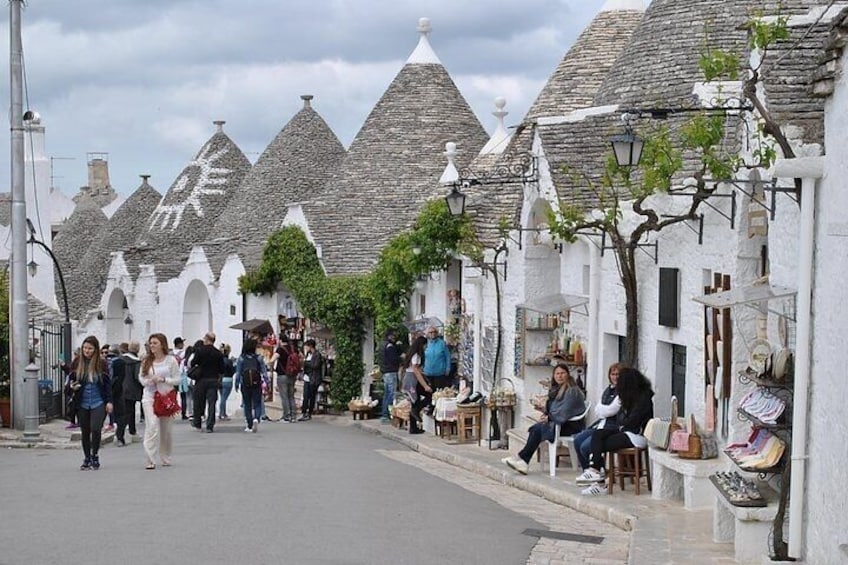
[(285, 385), (389, 385), (226, 389), (91, 424), (205, 396), (583, 447), (252, 399), (534, 438), (607, 440)]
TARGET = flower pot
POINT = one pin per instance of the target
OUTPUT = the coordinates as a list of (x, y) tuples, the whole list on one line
[(6, 412)]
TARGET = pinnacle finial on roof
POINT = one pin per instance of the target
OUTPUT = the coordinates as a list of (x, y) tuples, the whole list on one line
[(219, 124), (144, 179), (424, 53), (306, 98), (500, 139), (450, 175)]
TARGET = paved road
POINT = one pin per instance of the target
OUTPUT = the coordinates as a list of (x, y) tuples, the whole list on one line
[(293, 493)]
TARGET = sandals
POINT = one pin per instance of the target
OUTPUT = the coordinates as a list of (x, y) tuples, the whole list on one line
[(166, 462), (150, 466)]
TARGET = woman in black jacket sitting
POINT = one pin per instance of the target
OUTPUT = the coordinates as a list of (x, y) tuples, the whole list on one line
[(637, 407)]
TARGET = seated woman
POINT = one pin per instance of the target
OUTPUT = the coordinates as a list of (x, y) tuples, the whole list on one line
[(565, 401), (605, 411), (637, 407)]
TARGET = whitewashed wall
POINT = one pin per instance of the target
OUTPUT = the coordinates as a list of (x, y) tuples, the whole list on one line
[(826, 513)]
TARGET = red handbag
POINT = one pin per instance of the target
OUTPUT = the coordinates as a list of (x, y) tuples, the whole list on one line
[(166, 405)]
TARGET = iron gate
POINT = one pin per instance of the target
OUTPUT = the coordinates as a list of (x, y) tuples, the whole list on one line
[(48, 353)]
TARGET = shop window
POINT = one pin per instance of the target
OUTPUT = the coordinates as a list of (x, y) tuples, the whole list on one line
[(620, 348), (669, 299)]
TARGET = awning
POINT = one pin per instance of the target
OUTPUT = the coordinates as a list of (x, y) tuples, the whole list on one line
[(556, 303), (420, 324), (752, 295), (262, 327)]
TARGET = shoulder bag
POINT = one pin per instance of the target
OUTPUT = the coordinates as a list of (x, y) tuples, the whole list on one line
[(166, 405)]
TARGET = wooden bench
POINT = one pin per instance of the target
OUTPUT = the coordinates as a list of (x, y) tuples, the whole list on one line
[(683, 479)]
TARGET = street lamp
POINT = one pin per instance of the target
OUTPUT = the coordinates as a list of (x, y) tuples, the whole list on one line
[(456, 202), (627, 146)]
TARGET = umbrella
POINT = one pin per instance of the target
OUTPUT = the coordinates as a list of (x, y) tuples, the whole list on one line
[(555, 303), (262, 327), (420, 324)]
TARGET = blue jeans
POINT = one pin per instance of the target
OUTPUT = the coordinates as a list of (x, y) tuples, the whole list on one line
[(583, 446), (389, 385), (226, 389), (252, 398)]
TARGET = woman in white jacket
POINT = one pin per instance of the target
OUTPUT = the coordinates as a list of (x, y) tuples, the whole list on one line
[(159, 371)]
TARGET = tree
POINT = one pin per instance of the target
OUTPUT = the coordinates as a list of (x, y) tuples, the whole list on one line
[(705, 136)]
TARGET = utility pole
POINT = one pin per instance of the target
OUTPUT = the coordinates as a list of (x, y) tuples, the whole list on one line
[(24, 385)]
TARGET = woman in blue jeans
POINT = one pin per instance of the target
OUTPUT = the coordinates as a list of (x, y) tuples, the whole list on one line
[(226, 381), (92, 390), (609, 407)]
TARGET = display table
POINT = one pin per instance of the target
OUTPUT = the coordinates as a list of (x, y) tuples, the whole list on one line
[(748, 528), (686, 479), (469, 419), (445, 417), (363, 413)]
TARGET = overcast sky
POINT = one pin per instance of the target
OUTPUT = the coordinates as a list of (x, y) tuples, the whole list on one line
[(142, 80)]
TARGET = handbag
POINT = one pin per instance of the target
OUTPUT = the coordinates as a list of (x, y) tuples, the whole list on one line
[(658, 431), (165, 405), (194, 372), (687, 443)]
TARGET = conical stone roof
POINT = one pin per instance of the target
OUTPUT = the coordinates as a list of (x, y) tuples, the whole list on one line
[(187, 213), (394, 163), (70, 245), (120, 232), (295, 166)]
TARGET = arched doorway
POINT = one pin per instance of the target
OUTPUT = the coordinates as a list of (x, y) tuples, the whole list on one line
[(116, 312), (197, 312)]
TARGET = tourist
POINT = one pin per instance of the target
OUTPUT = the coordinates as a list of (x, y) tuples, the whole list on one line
[(565, 401), (389, 365), (92, 392), (605, 411), (211, 363), (128, 364), (415, 386), (437, 360), (637, 407), (159, 373), (313, 373), (226, 381), (250, 374)]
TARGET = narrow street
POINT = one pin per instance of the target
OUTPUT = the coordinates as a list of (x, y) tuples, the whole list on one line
[(314, 492)]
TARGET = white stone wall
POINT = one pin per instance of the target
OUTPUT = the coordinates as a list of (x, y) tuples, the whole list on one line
[(825, 514)]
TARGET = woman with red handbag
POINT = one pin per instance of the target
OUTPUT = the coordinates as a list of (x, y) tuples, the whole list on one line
[(159, 375)]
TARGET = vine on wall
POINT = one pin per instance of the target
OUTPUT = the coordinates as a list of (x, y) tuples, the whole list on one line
[(345, 303)]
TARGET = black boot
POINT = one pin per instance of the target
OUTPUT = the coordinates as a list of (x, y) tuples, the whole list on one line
[(95, 462), (86, 464), (413, 426)]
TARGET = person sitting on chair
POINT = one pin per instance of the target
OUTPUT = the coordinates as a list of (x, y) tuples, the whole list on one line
[(565, 401), (605, 411), (637, 407)]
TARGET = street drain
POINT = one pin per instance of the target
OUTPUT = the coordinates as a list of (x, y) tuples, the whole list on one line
[(579, 538)]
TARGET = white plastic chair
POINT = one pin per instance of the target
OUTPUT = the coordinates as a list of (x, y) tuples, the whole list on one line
[(567, 442)]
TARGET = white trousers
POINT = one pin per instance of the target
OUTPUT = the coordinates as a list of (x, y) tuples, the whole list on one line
[(157, 434)]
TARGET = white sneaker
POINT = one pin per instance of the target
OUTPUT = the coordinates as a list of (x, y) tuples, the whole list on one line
[(255, 425), (590, 476), (247, 430), (594, 490), (518, 464)]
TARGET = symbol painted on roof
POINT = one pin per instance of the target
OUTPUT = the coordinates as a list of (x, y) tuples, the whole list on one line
[(203, 176)]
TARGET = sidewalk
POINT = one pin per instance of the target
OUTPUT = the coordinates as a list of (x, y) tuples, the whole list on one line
[(662, 531)]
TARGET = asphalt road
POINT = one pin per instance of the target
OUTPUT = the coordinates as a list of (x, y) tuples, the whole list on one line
[(306, 493)]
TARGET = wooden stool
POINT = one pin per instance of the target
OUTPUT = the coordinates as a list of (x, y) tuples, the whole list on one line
[(469, 423), (628, 462), (400, 422), (361, 413)]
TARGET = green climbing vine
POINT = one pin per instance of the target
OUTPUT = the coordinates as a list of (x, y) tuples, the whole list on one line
[(346, 303)]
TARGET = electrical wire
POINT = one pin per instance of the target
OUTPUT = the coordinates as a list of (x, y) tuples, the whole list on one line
[(31, 149)]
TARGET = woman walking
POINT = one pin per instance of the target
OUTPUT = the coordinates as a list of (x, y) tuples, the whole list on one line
[(226, 382), (159, 372), (92, 392), (250, 374)]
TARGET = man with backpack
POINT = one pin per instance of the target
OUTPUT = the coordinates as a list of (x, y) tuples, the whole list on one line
[(287, 369), (250, 373)]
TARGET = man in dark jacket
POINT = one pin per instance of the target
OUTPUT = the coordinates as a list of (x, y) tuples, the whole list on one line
[(389, 366), (313, 365), (211, 363), (126, 368)]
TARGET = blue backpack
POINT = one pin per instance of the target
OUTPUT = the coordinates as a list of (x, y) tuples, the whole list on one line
[(250, 372)]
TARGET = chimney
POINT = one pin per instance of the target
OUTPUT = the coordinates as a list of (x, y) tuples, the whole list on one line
[(219, 125), (98, 171), (306, 98), (144, 179)]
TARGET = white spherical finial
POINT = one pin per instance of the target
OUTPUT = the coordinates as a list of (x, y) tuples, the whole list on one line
[(424, 26), (500, 102)]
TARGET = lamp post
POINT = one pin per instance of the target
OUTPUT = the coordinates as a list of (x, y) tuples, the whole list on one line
[(626, 146)]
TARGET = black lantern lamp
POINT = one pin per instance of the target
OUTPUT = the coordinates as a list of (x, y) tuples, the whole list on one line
[(450, 177), (627, 146)]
